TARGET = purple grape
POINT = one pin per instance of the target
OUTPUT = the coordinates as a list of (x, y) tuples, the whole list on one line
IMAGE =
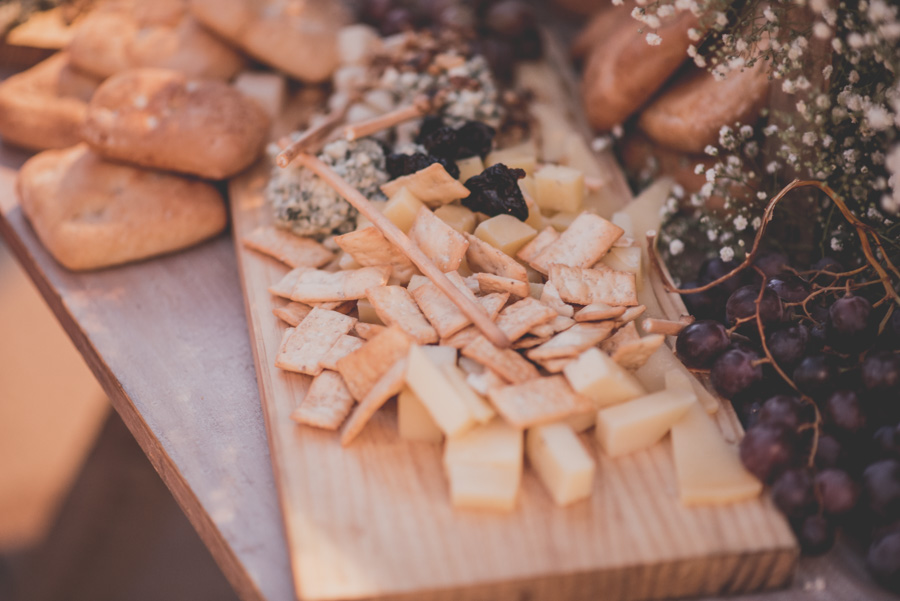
[(794, 493), (771, 263), (883, 560), (816, 338), (838, 491), (844, 412), (782, 410), (742, 304), (788, 345), (766, 451), (702, 305), (814, 375), (815, 535), (701, 342), (827, 264), (886, 441), (748, 413), (789, 288), (734, 371), (849, 323), (881, 488), (829, 452), (713, 269), (881, 373)]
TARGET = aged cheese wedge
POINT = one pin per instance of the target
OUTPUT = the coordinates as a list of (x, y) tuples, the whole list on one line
[(484, 466), (437, 394), (708, 469), (458, 217), (402, 209), (478, 407), (641, 423), (561, 462), (653, 376), (626, 259), (559, 188), (506, 233), (596, 376), (413, 420), (469, 167)]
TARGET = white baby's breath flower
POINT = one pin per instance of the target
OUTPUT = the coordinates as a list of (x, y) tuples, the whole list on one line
[(653, 39), (711, 235), (821, 30), (740, 223), (836, 244), (678, 191), (762, 196), (809, 138), (757, 221), (618, 131), (721, 19), (878, 118), (699, 168), (769, 14), (711, 150), (710, 175), (676, 247), (694, 34), (726, 253)]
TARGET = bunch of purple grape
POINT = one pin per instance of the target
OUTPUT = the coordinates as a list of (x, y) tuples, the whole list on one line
[(811, 361)]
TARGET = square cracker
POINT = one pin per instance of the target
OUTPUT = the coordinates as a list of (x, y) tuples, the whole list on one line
[(538, 244), (519, 317), (326, 404), (285, 286), (586, 286), (444, 316), (482, 257), (395, 306), (571, 342), (292, 313), (630, 314), (598, 312), (538, 401), (309, 342), (507, 362), (489, 282), (584, 243), (493, 303), (441, 243), (367, 331), (316, 285), (632, 355), (554, 326), (287, 247), (390, 384), (626, 334), (432, 185), (345, 345), (370, 248), (364, 367), (550, 297)]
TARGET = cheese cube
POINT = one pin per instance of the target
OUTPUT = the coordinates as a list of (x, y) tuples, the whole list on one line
[(469, 167), (521, 156), (267, 89), (474, 486), (526, 184), (413, 420), (402, 209), (641, 423), (562, 220), (429, 383), (535, 217), (553, 125), (536, 290), (596, 376), (561, 462), (495, 444), (458, 217), (625, 259), (367, 313), (581, 421), (623, 220), (478, 407), (708, 469), (506, 233), (441, 356), (362, 222), (559, 188)]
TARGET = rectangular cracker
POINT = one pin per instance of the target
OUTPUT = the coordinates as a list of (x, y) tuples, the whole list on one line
[(292, 313), (365, 366), (441, 243), (489, 282), (482, 257), (432, 185), (599, 312), (571, 342), (287, 247), (585, 286), (630, 314), (584, 243), (538, 244), (461, 338), (538, 401), (316, 285), (388, 385), (507, 363), (554, 326), (303, 350), (444, 316), (344, 307), (632, 355), (493, 303), (285, 286), (519, 317), (550, 297), (395, 306), (530, 341), (367, 331), (370, 248), (345, 345), (326, 404)]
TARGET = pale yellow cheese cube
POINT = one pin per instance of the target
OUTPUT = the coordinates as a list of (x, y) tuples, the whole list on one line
[(535, 217), (641, 423), (442, 356), (625, 259), (495, 443), (526, 184), (458, 217), (367, 313), (581, 421), (561, 462), (402, 209), (596, 376), (623, 220), (506, 233), (478, 407), (558, 188), (469, 167), (413, 420), (431, 386), (562, 220), (522, 156), (708, 469), (553, 125), (362, 222), (475, 486)]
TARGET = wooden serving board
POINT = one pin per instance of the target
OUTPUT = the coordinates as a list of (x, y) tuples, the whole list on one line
[(374, 520)]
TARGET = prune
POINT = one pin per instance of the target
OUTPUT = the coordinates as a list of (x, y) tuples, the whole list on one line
[(474, 138), (403, 164), (495, 191), (430, 124), (442, 142)]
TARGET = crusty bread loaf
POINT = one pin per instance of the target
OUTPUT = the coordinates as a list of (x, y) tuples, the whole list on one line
[(125, 36), (44, 106), (159, 119), (688, 115), (298, 37), (91, 213), (624, 71), (602, 25)]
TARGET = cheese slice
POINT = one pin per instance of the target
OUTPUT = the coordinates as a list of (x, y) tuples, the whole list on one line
[(653, 376), (561, 462), (478, 407), (641, 423), (436, 393), (458, 217), (708, 469), (596, 376), (440, 355), (413, 420)]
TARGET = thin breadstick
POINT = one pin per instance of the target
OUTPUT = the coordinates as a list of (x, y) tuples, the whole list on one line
[(311, 136), (664, 326), (592, 183), (396, 237), (420, 107)]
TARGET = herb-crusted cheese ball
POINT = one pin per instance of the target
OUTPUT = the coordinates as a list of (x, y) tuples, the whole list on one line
[(306, 205)]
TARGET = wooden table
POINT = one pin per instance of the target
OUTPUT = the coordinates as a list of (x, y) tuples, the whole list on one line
[(168, 341)]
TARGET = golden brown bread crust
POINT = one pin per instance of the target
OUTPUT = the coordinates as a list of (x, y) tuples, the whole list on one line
[(688, 115), (90, 213), (44, 106), (158, 119), (624, 71), (298, 37), (606, 21)]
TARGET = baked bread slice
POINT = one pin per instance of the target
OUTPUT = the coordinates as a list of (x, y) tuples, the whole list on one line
[(91, 213), (44, 106), (159, 119)]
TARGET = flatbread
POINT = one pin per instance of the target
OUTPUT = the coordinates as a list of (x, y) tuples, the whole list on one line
[(441, 243), (518, 318), (571, 342), (345, 345), (369, 247), (550, 297), (432, 185), (285, 286), (599, 312), (363, 367), (489, 282), (507, 363), (634, 354), (441, 312), (390, 384), (538, 244), (292, 313)]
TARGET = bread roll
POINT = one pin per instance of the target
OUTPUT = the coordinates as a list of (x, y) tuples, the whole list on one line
[(159, 119), (603, 24), (90, 213), (44, 106)]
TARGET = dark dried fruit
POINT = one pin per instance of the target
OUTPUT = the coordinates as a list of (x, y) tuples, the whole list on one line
[(430, 124), (496, 192), (442, 142), (403, 164), (474, 138)]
